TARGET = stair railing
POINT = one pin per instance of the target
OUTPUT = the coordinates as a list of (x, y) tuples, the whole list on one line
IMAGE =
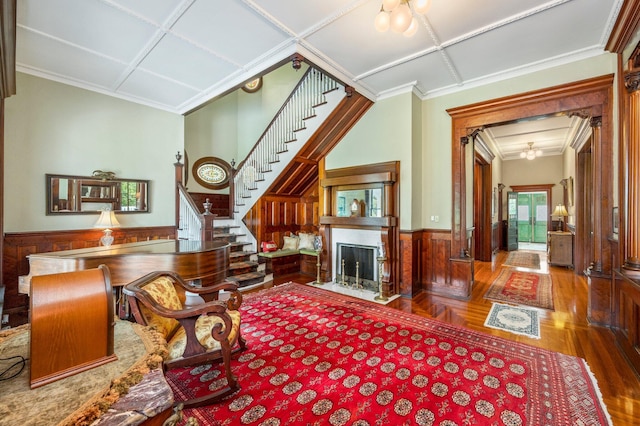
[(299, 106), (192, 225)]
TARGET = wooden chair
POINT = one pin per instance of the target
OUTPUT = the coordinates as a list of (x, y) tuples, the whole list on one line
[(196, 333)]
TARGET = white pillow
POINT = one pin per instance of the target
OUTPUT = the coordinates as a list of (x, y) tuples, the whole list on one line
[(306, 241), (290, 243)]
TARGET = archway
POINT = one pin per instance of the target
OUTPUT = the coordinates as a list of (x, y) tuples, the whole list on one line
[(587, 98)]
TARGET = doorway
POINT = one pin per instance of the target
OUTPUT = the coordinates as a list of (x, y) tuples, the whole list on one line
[(586, 98), (532, 220)]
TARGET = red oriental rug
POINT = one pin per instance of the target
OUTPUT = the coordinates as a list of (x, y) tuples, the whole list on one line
[(321, 358), (522, 288)]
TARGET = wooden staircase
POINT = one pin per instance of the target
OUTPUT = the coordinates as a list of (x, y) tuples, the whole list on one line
[(245, 266)]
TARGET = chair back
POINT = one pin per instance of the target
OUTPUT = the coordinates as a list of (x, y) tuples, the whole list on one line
[(163, 292)]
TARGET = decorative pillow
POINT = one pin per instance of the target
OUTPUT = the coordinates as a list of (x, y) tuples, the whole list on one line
[(306, 241), (290, 243), (268, 246)]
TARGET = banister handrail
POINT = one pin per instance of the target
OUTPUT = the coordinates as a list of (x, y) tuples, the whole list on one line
[(192, 203), (275, 117), (309, 93)]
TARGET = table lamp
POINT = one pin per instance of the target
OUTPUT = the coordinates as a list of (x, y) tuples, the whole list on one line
[(106, 221), (561, 212)]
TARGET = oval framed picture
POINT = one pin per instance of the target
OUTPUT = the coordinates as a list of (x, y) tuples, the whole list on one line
[(253, 85), (212, 172)]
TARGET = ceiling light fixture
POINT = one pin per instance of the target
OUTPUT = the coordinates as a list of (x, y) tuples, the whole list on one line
[(399, 16), (530, 153)]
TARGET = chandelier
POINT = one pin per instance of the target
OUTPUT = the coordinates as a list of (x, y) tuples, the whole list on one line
[(399, 15), (530, 153)]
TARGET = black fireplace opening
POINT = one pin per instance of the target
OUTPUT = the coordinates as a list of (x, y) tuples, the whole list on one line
[(357, 260)]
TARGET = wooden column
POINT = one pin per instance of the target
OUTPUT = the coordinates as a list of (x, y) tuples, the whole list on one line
[(502, 246), (596, 157), (632, 229)]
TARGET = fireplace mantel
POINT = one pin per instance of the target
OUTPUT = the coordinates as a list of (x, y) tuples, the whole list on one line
[(357, 222), (385, 225)]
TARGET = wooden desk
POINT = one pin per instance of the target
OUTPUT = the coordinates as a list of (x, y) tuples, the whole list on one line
[(207, 261)]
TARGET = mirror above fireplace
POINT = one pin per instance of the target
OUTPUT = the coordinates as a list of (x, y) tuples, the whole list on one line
[(359, 201)]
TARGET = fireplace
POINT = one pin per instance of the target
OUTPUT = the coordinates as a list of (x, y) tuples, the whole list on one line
[(359, 261)]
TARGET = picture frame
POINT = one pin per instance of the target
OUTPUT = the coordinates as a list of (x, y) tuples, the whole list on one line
[(570, 190), (494, 202)]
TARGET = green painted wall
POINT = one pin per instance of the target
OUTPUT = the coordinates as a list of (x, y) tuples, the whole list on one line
[(54, 128)]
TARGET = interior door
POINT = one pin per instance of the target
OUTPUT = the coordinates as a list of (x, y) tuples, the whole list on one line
[(512, 221), (540, 217), (525, 218)]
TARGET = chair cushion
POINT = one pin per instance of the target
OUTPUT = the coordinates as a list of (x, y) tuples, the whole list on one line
[(178, 342), (164, 293)]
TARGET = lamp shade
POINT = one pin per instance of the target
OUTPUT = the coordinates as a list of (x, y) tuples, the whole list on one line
[(107, 220), (560, 210)]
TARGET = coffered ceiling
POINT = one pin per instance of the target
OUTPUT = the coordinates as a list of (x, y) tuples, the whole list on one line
[(177, 54)]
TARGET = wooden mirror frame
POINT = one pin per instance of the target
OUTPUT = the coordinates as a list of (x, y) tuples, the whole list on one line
[(109, 196)]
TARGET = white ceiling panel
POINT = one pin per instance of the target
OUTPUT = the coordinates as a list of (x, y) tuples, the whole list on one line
[(42, 55), (230, 30), (300, 16), (177, 59), (156, 11), (156, 90), (91, 25), (452, 20), (423, 69)]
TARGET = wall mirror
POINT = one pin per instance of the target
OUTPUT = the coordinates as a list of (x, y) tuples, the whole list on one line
[(81, 194), (358, 201)]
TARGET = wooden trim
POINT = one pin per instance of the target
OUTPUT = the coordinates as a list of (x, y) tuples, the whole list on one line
[(8, 40), (625, 27), (359, 179), (592, 97)]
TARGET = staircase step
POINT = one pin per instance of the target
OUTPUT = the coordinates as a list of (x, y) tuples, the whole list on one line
[(243, 267), (225, 228), (238, 245), (241, 256), (247, 279), (227, 236)]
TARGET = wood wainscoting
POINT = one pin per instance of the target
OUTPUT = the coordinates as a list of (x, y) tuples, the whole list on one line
[(410, 263), (626, 310), (19, 245), (426, 265)]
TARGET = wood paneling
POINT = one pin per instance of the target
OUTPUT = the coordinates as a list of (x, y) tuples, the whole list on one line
[(626, 317), (410, 264), (436, 254), (220, 202), (17, 246)]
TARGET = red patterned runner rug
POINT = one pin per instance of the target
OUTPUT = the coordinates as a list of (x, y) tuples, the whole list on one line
[(321, 358), (522, 288)]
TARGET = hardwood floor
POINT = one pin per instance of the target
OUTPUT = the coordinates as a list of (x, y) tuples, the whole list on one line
[(564, 330)]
